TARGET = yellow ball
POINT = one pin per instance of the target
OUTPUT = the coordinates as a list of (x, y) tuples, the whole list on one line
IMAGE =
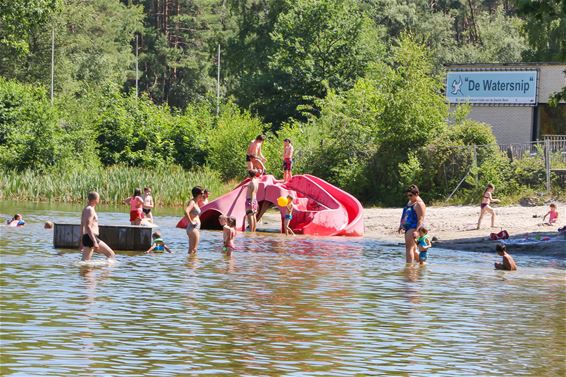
[(282, 201)]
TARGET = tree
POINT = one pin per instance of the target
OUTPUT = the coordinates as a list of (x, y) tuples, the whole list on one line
[(545, 26), (18, 19), (92, 47), (320, 44), (178, 49)]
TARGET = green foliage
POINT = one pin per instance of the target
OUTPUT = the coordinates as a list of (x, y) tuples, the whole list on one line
[(133, 131), (92, 47), (18, 20), (171, 185), (545, 28), (320, 44), (28, 127), (228, 141), (370, 130)]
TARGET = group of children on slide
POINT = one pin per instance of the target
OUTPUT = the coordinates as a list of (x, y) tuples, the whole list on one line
[(140, 206)]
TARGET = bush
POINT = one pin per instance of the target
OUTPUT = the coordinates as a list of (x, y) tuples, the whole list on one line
[(227, 142), (28, 127)]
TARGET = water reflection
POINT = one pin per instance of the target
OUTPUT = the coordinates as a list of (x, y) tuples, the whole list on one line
[(277, 306)]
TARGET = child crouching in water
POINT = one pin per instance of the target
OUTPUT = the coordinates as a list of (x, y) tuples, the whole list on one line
[(507, 263), (423, 243), (158, 245), (228, 233)]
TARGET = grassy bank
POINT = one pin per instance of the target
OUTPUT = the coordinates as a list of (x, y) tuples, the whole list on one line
[(171, 186)]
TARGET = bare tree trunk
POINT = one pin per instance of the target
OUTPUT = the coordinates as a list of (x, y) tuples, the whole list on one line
[(475, 28)]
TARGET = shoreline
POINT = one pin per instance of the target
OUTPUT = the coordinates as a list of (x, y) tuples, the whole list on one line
[(454, 228)]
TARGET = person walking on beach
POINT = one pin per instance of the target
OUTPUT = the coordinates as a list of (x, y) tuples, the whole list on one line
[(485, 207), (251, 201), (287, 160), (89, 240), (192, 212), (412, 221), (136, 207), (254, 157), (507, 262)]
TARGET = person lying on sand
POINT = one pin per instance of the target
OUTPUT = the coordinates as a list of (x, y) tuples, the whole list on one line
[(507, 263)]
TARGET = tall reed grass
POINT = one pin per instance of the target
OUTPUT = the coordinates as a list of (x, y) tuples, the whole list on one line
[(171, 185)]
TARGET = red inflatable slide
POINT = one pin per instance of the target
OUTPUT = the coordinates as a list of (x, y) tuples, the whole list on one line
[(320, 209)]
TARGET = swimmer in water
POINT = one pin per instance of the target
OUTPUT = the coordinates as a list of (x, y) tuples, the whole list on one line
[(228, 233), (89, 240), (17, 221), (507, 263), (158, 245), (423, 243)]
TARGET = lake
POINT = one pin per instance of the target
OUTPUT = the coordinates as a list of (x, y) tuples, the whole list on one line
[(278, 307)]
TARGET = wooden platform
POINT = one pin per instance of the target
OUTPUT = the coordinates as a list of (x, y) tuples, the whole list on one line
[(118, 237)]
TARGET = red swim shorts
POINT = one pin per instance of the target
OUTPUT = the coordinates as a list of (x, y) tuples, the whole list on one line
[(137, 214)]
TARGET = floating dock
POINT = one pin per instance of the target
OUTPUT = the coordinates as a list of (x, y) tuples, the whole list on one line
[(118, 237)]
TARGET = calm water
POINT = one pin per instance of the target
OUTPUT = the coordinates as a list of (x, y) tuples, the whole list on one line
[(278, 307)]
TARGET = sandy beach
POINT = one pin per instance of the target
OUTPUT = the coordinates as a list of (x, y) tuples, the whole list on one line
[(454, 227)]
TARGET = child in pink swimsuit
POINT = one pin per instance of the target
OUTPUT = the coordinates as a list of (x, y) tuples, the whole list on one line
[(552, 215), (136, 207)]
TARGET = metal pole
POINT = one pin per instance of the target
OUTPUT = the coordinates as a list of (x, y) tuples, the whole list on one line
[(547, 163), (52, 62), (137, 75), (218, 84)]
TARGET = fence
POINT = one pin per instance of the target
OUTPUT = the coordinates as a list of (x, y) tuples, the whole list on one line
[(541, 163)]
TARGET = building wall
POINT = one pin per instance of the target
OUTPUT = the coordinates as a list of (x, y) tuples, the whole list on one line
[(510, 124), (515, 124), (551, 80)]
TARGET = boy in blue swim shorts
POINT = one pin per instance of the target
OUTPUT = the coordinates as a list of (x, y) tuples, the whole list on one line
[(423, 243)]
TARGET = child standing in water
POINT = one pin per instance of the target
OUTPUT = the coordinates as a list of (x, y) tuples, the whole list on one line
[(228, 233), (147, 203), (552, 215), (287, 160), (423, 243), (485, 207), (507, 263), (288, 216), (158, 245)]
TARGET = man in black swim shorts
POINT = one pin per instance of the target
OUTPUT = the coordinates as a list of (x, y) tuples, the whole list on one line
[(89, 241)]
